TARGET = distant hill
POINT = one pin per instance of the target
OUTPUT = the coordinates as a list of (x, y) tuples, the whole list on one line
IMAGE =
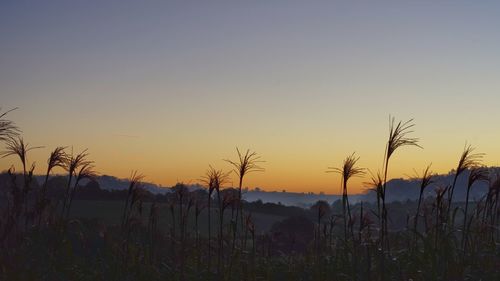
[(303, 199), (404, 189), (113, 183), (286, 198), (397, 190), (107, 182)]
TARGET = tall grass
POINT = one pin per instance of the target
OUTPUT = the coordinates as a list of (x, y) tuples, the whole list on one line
[(245, 164), (214, 180), (78, 166), (426, 179), (376, 185), (477, 174), (15, 146), (8, 128), (398, 138), (185, 203), (137, 247), (468, 160), (133, 196), (57, 158), (86, 171), (347, 171), (493, 198)]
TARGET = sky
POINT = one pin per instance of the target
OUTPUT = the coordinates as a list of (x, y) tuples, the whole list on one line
[(169, 87)]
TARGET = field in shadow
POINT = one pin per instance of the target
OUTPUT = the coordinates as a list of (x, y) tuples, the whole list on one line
[(57, 229)]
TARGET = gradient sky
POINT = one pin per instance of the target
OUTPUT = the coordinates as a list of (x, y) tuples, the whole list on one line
[(169, 87)]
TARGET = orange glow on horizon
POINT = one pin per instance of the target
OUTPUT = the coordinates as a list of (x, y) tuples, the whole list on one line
[(298, 172)]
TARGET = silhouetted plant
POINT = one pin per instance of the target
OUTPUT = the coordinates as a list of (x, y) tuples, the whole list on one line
[(14, 206), (321, 208), (199, 206), (250, 227), (377, 186), (246, 163), (364, 223), (440, 212), (426, 179), (86, 171), (468, 160), (398, 137), (477, 174), (185, 202), (57, 158), (15, 146), (347, 171), (8, 130), (493, 208), (228, 199), (131, 200), (214, 180), (74, 162), (153, 231), (132, 212)]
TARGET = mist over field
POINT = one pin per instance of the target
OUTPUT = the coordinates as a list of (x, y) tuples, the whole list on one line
[(397, 190)]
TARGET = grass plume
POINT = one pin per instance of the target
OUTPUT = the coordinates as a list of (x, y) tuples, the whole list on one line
[(398, 138), (347, 171), (245, 164), (8, 128), (468, 160)]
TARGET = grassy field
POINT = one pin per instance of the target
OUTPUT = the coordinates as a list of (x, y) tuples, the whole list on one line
[(125, 238), (110, 212)]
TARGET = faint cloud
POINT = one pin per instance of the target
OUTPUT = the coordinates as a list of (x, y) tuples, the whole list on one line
[(126, 136)]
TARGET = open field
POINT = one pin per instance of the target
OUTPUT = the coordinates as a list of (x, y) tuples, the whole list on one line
[(64, 228), (110, 212)]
